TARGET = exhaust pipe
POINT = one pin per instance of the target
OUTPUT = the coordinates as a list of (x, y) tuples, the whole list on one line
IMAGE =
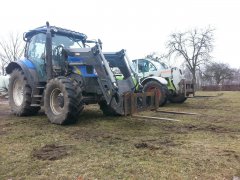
[(49, 52)]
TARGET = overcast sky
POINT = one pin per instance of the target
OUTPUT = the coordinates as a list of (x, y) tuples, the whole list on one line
[(139, 26)]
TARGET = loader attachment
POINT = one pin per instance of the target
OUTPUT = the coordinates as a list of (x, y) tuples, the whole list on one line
[(186, 88), (131, 100), (117, 95), (138, 102)]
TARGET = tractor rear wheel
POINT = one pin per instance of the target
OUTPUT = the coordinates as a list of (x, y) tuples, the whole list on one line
[(107, 109), (20, 95), (180, 98), (161, 91), (62, 101)]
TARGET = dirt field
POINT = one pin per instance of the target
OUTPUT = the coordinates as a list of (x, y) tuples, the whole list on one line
[(203, 146)]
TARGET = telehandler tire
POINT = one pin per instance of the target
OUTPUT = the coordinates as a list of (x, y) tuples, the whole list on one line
[(20, 95), (161, 91), (62, 101), (166, 92), (180, 98)]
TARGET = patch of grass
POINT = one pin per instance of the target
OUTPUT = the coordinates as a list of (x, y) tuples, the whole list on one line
[(204, 146)]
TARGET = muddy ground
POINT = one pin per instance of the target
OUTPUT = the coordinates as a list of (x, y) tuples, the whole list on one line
[(202, 146)]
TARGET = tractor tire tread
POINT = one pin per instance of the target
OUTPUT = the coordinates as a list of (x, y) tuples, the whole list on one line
[(25, 109), (74, 105)]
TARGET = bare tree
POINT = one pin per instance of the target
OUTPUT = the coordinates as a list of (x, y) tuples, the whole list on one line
[(194, 46), (236, 76), (219, 72), (10, 50)]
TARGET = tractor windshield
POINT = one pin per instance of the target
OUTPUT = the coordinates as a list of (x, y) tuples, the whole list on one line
[(66, 42)]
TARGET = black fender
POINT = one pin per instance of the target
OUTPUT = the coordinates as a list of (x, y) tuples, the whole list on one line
[(30, 73)]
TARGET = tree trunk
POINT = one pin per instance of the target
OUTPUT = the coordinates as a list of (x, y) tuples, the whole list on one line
[(194, 80)]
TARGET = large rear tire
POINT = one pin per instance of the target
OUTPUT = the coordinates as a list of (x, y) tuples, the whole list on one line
[(62, 101), (180, 98), (161, 91), (20, 95)]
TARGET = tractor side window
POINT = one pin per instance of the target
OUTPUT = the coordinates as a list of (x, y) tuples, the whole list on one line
[(36, 53), (36, 48)]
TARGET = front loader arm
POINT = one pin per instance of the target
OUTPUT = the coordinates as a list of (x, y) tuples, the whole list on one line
[(118, 94), (105, 78)]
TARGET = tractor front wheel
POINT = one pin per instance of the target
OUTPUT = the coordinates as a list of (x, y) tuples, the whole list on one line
[(62, 101), (160, 90), (20, 95)]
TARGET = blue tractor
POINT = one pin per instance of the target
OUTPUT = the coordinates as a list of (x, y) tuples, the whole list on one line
[(63, 71)]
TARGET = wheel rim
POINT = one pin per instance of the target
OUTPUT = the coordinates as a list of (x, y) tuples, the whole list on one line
[(57, 101), (18, 92)]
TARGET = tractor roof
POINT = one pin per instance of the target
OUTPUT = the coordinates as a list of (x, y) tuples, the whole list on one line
[(56, 30)]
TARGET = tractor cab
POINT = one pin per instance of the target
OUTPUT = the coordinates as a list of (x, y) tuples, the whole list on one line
[(35, 52)]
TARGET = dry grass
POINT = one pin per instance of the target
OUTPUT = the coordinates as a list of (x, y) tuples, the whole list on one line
[(204, 146)]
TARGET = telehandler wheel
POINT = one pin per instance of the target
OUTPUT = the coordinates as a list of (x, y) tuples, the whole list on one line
[(20, 95), (166, 92), (161, 92), (106, 109), (62, 101), (180, 98)]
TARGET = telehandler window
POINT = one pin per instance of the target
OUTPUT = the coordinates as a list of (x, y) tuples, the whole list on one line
[(145, 66), (152, 67)]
